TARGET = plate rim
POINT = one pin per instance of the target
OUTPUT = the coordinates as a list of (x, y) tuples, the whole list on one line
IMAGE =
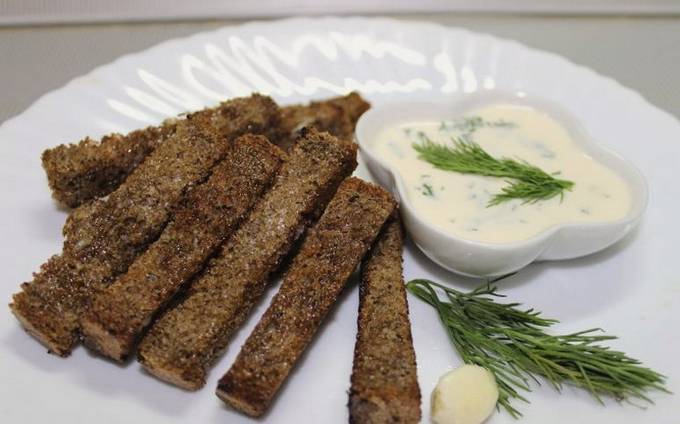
[(586, 71), (671, 126)]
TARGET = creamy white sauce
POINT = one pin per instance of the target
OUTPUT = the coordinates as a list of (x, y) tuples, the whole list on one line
[(458, 203)]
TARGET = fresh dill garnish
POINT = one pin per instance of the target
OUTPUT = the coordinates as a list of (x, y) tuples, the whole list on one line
[(512, 344), (426, 190), (527, 182)]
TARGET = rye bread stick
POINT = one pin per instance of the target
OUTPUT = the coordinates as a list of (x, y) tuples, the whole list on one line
[(352, 104), (80, 172), (337, 115), (384, 381), (89, 169), (113, 232), (119, 313), (186, 340), (327, 258)]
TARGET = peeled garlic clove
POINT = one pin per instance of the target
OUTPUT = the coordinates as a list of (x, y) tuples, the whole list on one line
[(466, 395)]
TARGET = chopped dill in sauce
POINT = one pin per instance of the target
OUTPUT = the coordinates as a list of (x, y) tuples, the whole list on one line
[(470, 124), (426, 190), (458, 203)]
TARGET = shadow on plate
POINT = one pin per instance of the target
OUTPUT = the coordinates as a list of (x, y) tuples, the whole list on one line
[(19, 343), (107, 378), (47, 224), (567, 279)]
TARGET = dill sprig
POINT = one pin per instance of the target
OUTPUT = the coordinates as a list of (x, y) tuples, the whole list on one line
[(527, 182), (512, 344)]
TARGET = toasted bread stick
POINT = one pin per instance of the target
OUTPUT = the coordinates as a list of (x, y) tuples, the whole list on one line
[(384, 381), (111, 232), (183, 344), (327, 258), (120, 313), (81, 172), (84, 171), (337, 115)]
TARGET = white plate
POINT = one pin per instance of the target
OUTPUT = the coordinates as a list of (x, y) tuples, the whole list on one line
[(631, 290)]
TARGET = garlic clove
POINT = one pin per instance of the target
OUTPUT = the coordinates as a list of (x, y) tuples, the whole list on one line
[(466, 395)]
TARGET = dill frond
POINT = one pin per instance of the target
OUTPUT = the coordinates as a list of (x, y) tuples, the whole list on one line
[(526, 182), (513, 345)]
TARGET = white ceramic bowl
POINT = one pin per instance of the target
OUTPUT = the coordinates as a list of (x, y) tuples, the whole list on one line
[(474, 258)]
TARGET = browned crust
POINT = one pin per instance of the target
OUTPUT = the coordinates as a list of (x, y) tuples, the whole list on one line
[(211, 212), (255, 114), (352, 104), (327, 258), (338, 116), (384, 380), (184, 343), (80, 172), (111, 232)]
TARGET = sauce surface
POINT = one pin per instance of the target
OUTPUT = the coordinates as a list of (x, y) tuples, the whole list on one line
[(458, 203)]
